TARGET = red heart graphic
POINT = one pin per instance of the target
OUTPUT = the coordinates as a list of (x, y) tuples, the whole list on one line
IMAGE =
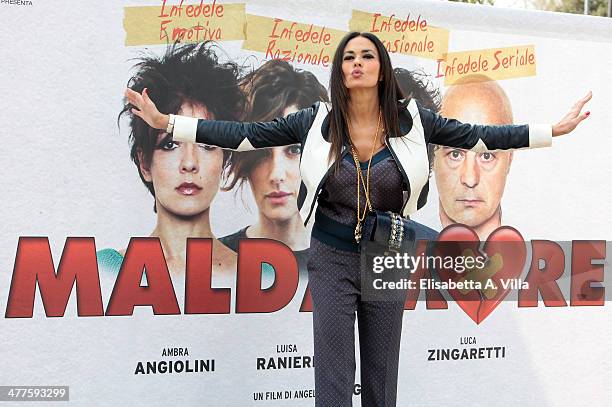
[(506, 252)]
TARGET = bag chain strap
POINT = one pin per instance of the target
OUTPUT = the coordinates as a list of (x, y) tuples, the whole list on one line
[(361, 181)]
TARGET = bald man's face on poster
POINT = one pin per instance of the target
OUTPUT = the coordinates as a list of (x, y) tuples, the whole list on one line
[(471, 185)]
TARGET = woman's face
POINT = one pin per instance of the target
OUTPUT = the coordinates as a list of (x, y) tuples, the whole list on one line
[(360, 64), (185, 176), (275, 181)]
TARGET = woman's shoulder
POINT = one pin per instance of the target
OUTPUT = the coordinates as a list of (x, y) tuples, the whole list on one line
[(232, 240), (408, 104)]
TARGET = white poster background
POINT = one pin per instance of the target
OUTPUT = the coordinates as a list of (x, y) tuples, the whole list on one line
[(66, 172)]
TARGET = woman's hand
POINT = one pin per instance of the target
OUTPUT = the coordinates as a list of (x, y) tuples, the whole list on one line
[(573, 118), (146, 109)]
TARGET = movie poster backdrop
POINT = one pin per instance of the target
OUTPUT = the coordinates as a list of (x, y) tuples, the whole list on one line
[(177, 303)]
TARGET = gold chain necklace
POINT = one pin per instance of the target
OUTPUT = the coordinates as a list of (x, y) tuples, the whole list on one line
[(361, 181)]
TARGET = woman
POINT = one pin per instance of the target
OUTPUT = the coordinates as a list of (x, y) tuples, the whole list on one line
[(275, 89), (365, 121), (183, 178)]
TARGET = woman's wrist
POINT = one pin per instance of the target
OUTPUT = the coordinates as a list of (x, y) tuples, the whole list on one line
[(162, 122)]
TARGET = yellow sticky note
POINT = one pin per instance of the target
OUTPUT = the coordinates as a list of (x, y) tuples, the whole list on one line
[(168, 23), (409, 34), (291, 41), (488, 64)]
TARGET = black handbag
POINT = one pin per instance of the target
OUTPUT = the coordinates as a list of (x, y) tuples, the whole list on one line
[(387, 234)]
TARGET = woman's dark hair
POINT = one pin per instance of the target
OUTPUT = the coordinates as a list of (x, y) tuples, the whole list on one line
[(388, 93), (269, 90), (185, 73), (416, 85)]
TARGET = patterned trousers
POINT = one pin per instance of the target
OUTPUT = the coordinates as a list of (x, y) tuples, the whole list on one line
[(335, 283)]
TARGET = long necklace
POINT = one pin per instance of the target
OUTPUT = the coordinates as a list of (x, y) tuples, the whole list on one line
[(360, 180)]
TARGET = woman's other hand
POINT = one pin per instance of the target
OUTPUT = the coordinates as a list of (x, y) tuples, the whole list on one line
[(146, 109), (573, 118)]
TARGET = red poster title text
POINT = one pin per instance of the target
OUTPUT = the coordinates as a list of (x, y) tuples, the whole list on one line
[(78, 268)]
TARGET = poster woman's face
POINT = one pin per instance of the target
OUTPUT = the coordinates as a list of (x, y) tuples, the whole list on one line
[(360, 64), (275, 181), (185, 176)]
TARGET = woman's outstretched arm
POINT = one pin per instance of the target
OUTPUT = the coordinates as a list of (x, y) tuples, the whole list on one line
[(239, 136), (453, 133)]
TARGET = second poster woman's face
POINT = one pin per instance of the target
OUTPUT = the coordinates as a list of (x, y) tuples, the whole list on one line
[(275, 181), (185, 176)]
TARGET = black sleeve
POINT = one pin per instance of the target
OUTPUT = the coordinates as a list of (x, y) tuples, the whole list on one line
[(243, 136), (453, 133)]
